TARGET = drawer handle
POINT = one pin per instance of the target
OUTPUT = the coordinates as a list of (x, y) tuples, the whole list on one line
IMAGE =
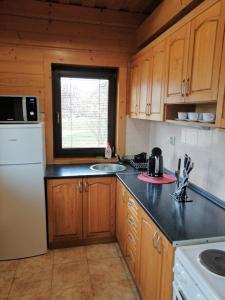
[(131, 204), (131, 221), (130, 238)]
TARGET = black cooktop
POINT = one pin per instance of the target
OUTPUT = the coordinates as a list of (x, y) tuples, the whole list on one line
[(214, 261)]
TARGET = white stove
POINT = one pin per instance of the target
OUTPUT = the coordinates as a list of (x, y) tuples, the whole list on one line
[(192, 280)]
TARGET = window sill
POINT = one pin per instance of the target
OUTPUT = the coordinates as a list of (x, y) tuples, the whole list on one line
[(81, 160)]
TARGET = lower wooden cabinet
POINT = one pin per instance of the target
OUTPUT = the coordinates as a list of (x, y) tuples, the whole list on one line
[(64, 210), (80, 210), (121, 216), (99, 207), (148, 254), (155, 262)]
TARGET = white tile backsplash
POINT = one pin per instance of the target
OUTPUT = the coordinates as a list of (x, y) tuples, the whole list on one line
[(206, 148), (137, 136)]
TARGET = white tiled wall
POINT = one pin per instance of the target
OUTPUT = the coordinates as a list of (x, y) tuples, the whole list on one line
[(137, 136), (206, 148)]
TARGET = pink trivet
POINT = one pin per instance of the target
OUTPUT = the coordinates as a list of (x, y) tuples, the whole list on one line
[(165, 179)]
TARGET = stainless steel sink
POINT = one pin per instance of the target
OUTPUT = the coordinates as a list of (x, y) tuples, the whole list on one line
[(108, 168)]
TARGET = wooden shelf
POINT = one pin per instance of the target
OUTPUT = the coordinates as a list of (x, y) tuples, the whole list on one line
[(192, 124)]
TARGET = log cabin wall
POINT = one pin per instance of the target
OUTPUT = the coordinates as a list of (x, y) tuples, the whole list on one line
[(34, 34)]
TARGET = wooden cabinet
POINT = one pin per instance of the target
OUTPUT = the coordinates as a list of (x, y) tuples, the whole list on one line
[(64, 210), (132, 238), (147, 252), (194, 58), (80, 210), (176, 64), (155, 262), (147, 85), (99, 207), (157, 82), (204, 59), (134, 91), (121, 216), (145, 82)]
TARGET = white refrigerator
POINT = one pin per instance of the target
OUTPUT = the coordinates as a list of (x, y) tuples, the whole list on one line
[(22, 193)]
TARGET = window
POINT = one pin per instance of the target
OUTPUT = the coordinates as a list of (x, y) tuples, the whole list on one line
[(84, 110)]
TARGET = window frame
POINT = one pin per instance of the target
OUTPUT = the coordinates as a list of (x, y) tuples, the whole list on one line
[(59, 71)]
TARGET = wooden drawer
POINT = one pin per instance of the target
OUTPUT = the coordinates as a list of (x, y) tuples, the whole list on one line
[(132, 206), (132, 223), (131, 241), (131, 259)]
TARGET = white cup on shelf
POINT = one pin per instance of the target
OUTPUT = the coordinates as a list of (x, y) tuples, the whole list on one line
[(182, 115), (193, 116), (209, 117)]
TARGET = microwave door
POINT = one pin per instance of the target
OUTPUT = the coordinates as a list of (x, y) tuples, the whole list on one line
[(11, 109)]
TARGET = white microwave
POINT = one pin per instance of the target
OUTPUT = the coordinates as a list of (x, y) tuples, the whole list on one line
[(19, 109)]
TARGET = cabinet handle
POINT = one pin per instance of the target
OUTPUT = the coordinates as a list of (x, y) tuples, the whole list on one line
[(146, 109), (187, 87), (149, 109), (159, 244), (131, 221), (131, 204), (182, 88), (155, 239), (136, 109), (130, 238), (80, 184), (85, 186)]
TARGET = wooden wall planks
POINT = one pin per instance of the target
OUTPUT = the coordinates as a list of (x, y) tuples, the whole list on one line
[(34, 34)]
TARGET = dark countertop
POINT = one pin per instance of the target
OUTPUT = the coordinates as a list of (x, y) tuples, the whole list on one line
[(79, 170), (189, 223), (200, 220)]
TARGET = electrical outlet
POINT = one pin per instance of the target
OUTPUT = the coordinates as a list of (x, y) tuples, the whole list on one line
[(172, 140)]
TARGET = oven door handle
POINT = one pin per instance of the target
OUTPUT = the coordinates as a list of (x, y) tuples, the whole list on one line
[(177, 293)]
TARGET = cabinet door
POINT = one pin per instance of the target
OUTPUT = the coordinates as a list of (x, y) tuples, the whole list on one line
[(205, 54), (155, 262), (134, 91), (144, 97), (99, 207), (150, 263), (157, 81), (121, 216), (176, 64), (64, 210)]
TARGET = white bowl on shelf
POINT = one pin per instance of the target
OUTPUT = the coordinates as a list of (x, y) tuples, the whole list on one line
[(182, 115)]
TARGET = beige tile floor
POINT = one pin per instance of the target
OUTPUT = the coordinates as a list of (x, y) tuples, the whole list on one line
[(96, 272)]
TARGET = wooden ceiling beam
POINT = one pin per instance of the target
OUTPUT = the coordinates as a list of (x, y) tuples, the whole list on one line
[(70, 13), (88, 3)]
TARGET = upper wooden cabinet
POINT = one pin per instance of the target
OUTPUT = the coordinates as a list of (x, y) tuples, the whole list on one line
[(99, 207), (206, 39), (64, 210), (147, 85), (145, 81), (156, 88), (176, 64), (194, 58), (134, 91)]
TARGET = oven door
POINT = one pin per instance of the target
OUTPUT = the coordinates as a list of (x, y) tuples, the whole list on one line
[(12, 109), (177, 293)]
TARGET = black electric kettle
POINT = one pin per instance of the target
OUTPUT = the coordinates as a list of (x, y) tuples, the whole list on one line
[(155, 163)]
